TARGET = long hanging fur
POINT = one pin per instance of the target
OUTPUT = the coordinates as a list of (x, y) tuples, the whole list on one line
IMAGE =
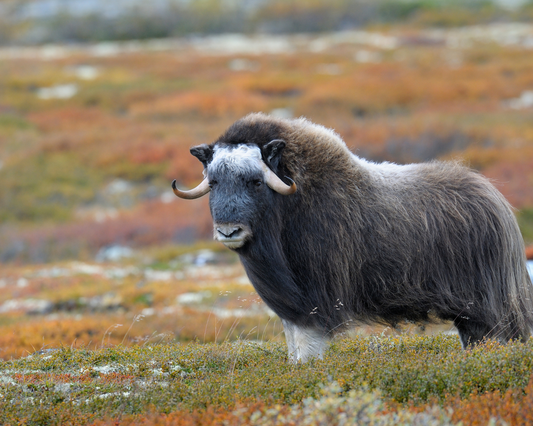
[(384, 243)]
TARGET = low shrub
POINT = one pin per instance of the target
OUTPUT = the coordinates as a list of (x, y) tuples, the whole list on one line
[(354, 377)]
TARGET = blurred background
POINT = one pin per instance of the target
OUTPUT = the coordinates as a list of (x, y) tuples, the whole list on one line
[(100, 102)]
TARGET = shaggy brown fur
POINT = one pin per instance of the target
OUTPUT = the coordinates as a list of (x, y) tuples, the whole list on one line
[(369, 242)]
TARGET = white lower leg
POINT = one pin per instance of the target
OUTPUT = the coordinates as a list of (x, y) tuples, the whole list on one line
[(304, 342)]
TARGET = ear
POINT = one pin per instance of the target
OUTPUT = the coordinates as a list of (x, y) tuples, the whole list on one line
[(203, 152), (272, 153)]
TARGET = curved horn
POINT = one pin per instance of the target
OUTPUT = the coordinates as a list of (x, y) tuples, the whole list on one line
[(276, 184), (197, 192)]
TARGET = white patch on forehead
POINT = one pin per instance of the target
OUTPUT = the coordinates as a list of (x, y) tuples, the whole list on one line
[(238, 159)]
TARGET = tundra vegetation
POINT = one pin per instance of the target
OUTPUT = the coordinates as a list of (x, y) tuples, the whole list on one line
[(371, 381), (91, 136)]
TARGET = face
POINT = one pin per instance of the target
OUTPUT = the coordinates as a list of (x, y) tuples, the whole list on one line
[(239, 196), (242, 182)]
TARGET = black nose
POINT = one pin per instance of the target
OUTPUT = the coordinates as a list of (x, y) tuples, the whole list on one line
[(228, 231)]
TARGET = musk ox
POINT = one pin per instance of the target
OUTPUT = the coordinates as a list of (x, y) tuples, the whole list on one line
[(328, 238)]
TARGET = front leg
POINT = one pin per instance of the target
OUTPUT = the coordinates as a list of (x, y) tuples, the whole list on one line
[(304, 342)]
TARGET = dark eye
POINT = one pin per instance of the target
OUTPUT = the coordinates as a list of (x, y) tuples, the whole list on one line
[(258, 182), (212, 183)]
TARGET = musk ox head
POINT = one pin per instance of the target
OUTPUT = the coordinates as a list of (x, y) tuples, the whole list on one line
[(241, 183)]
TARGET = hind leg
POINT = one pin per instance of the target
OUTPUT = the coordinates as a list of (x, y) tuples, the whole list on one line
[(471, 332)]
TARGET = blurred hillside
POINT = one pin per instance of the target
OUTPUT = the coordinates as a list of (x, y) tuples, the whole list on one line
[(92, 133), (45, 21)]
